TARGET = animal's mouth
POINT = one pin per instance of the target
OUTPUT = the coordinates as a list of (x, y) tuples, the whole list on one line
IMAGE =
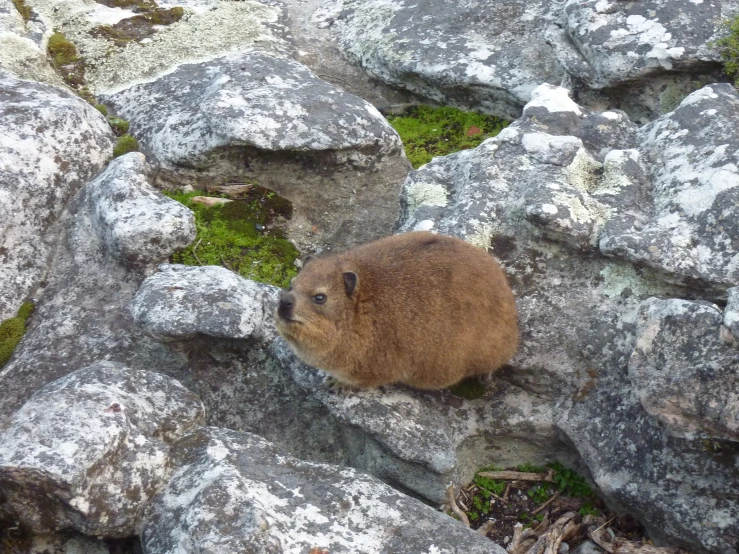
[(285, 318)]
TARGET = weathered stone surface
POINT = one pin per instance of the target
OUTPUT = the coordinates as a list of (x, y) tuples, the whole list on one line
[(52, 142), (260, 118), (689, 229), (235, 492), (22, 45), (116, 231), (486, 55), (617, 42), (684, 372), (731, 313), (137, 223), (540, 195), (181, 301), (90, 450)]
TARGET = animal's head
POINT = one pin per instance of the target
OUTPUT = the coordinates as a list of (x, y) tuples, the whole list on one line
[(318, 306)]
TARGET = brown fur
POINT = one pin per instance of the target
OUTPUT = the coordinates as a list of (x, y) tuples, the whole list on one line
[(427, 310)]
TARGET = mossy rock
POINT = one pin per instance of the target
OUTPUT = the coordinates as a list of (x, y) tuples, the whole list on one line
[(23, 9), (239, 235), (138, 27), (12, 331), (125, 144), (119, 125), (61, 50), (428, 132)]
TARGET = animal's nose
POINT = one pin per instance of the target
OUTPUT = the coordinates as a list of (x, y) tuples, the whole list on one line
[(286, 305)]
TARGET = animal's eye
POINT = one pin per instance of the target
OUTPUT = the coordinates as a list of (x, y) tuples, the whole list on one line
[(319, 298)]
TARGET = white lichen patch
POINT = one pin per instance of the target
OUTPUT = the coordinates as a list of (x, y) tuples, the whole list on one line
[(482, 233), (419, 194), (582, 171), (198, 36), (553, 99), (618, 277), (614, 179)]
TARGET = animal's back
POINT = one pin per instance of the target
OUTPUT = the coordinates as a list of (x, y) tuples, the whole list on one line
[(437, 308)]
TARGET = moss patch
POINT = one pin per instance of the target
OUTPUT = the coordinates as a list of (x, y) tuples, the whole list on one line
[(241, 236), (101, 108), (729, 48), (119, 125), (125, 144), (429, 132), (138, 27), (61, 50), (470, 388), (12, 330), (23, 9)]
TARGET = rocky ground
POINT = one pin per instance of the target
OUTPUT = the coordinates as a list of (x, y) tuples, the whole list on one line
[(152, 407)]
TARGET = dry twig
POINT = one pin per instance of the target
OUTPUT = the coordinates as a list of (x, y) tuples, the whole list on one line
[(195, 248), (620, 545), (453, 505), (518, 476), (547, 503)]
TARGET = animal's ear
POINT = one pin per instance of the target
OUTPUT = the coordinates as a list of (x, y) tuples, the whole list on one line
[(350, 282), (305, 261)]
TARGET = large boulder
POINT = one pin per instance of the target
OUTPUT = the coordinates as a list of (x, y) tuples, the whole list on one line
[(257, 117), (685, 368), (88, 451), (53, 142), (542, 196), (117, 230), (235, 492)]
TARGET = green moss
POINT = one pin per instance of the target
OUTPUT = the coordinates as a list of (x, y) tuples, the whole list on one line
[(429, 132), (12, 330), (729, 48), (119, 125), (125, 144), (23, 9), (229, 235), (101, 108), (62, 51), (470, 388)]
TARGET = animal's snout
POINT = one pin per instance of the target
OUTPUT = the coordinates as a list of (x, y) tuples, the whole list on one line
[(285, 309)]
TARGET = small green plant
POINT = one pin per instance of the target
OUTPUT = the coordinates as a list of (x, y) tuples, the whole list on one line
[(529, 468), (539, 493), (125, 144), (427, 132), (588, 510), (230, 235), (471, 388), (529, 520), (12, 330), (119, 125), (729, 48), (569, 482), (101, 108), (62, 51)]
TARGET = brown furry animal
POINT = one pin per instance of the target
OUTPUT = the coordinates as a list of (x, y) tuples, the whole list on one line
[(421, 309)]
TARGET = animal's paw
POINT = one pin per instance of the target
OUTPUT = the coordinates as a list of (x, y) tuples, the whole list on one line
[(341, 388)]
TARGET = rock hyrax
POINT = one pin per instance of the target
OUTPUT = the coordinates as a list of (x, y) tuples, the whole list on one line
[(421, 309)]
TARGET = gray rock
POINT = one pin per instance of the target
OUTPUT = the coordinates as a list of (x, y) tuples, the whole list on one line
[(541, 203), (53, 142), (587, 547), (90, 450), (62, 543), (731, 313), (235, 492), (180, 302), (137, 224), (115, 232), (688, 230), (256, 117), (618, 42), (486, 55), (683, 371)]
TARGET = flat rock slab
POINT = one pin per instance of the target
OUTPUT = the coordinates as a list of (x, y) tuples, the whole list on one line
[(255, 99), (180, 302), (685, 370), (90, 450), (485, 55), (234, 492), (52, 143), (627, 41)]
